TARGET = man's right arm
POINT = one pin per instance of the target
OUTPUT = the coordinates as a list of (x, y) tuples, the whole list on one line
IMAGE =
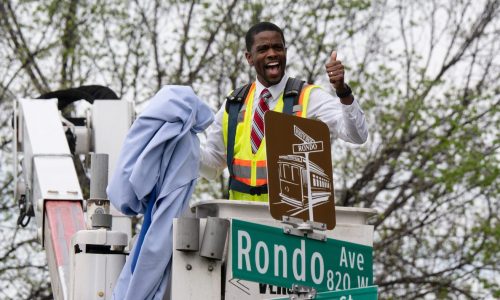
[(213, 151)]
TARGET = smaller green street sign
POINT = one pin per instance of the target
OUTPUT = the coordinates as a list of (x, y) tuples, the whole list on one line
[(366, 293), (265, 254)]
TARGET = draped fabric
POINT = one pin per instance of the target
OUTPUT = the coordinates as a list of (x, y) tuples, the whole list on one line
[(161, 155)]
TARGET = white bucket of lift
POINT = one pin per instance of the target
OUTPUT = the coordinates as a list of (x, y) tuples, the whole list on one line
[(189, 267)]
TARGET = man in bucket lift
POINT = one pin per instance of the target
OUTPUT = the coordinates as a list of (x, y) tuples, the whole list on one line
[(236, 138)]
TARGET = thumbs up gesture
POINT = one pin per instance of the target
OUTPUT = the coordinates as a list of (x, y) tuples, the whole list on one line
[(335, 72)]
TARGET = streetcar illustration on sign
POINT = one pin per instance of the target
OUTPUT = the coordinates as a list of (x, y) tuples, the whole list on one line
[(299, 169), (293, 182)]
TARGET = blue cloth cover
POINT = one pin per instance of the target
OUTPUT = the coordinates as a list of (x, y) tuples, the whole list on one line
[(161, 155)]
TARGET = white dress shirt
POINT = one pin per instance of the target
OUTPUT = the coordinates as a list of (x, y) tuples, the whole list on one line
[(346, 122)]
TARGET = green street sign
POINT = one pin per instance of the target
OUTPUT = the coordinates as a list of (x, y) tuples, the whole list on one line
[(366, 293), (267, 255)]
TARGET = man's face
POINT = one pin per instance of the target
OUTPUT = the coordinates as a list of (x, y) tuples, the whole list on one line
[(268, 57)]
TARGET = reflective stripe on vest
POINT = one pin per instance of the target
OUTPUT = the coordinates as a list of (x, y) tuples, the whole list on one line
[(242, 171), (250, 168)]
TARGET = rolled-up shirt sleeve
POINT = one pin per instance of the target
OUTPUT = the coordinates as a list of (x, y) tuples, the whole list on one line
[(346, 122)]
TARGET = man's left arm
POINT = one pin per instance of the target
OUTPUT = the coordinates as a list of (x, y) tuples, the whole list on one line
[(342, 113), (346, 122)]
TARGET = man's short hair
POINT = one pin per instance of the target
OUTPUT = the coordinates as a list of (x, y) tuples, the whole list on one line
[(258, 28)]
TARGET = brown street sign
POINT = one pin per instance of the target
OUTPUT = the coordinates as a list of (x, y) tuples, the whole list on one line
[(299, 168)]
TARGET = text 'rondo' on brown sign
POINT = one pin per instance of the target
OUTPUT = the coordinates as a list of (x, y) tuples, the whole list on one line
[(299, 168)]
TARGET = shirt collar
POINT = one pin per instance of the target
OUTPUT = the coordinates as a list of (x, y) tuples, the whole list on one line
[(275, 90)]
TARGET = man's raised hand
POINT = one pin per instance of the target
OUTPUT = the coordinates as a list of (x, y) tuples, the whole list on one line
[(335, 72)]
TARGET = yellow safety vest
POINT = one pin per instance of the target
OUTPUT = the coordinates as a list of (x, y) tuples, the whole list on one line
[(248, 167)]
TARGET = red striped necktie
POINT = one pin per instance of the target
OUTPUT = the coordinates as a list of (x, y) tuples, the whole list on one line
[(258, 120)]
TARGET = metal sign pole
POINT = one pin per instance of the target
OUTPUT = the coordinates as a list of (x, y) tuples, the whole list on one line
[(309, 192)]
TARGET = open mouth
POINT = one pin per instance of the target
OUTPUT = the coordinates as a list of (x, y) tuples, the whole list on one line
[(273, 69)]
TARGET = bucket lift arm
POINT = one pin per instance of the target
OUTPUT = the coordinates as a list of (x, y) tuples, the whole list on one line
[(51, 185), (50, 191)]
